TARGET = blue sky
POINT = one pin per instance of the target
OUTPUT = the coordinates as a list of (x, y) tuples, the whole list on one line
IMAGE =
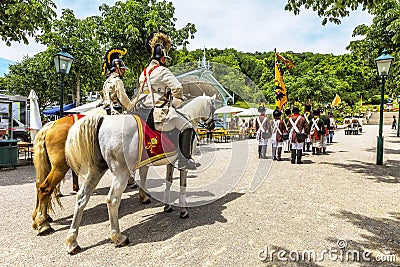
[(246, 25)]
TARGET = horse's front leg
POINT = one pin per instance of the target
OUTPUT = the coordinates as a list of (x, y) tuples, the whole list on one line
[(82, 198), (118, 185), (167, 192), (143, 198), (182, 195)]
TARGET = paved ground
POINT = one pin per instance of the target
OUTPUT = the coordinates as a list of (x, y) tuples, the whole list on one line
[(301, 209)]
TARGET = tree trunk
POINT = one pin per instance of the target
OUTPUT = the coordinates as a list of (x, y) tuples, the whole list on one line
[(78, 89)]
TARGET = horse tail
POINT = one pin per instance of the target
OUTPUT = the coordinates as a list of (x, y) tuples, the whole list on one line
[(40, 157), (82, 147)]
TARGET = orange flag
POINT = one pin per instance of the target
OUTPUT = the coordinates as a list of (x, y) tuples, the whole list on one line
[(336, 101)]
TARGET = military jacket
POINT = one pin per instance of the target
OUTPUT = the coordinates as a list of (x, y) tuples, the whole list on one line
[(114, 92), (161, 80)]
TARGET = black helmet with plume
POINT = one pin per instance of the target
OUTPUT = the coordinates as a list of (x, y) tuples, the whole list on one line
[(112, 60), (158, 44)]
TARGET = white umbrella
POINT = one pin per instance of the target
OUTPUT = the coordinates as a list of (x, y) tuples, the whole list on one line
[(35, 123), (228, 109)]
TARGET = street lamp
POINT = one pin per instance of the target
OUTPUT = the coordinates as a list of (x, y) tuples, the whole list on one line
[(383, 64), (63, 62), (398, 117)]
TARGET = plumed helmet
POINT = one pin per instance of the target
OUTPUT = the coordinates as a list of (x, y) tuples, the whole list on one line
[(117, 63), (295, 110), (277, 113), (158, 44), (307, 107), (261, 109), (288, 112), (112, 60), (316, 112)]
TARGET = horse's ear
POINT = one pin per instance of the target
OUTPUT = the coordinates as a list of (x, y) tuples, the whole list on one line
[(214, 97), (204, 94)]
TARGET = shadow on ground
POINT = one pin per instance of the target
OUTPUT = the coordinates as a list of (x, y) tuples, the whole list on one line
[(383, 237), (378, 173), (162, 226)]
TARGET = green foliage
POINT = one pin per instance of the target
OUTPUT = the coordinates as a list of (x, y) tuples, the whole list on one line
[(36, 73), (22, 18), (331, 10)]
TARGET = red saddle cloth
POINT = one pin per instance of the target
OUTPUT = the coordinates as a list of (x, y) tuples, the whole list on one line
[(153, 145)]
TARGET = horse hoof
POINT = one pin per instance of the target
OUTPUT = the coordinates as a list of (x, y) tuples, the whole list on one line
[(146, 202), (123, 243), (49, 219), (74, 250), (168, 208), (184, 215), (46, 231)]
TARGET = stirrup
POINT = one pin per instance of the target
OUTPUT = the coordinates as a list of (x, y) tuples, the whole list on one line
[(186, 164)]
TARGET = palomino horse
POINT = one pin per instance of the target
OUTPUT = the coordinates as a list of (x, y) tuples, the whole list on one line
[(98, 143), (51, 167)]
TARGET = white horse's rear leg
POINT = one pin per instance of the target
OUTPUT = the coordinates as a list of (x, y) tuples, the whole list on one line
[(120, 177), (143, 198), (82, 199), (182, 195), (167, 192)]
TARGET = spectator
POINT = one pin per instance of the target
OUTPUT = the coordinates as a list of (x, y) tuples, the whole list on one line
[(394, 123)]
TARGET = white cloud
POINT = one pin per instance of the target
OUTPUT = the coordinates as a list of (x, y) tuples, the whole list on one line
[(252, 25)]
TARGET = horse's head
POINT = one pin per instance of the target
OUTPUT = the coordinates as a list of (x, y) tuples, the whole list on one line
[(209, 120), (201, 108)]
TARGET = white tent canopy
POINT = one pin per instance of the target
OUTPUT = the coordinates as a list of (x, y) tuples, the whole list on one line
[(85, 107), (228, 109), (253, 112)]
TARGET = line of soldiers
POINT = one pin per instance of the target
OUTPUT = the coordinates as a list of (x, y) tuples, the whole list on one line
[(298, 132)]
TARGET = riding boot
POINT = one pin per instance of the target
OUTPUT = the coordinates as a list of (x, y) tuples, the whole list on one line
[(185, 161), (264, 152), (313, 150), (274, 153), (293, 161), (279, 158), (324, 151), (299, 154), (259, 151)]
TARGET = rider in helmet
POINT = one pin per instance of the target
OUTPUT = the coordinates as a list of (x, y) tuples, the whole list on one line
[(115, 99), (161, 90)]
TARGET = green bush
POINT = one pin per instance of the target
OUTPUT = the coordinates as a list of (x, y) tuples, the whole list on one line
[(376, 99)]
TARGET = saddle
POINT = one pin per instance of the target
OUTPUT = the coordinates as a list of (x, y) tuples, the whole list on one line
[(155, 145)]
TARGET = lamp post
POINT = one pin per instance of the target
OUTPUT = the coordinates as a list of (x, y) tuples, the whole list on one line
[(398, 117), (63, 62), (383, 64)]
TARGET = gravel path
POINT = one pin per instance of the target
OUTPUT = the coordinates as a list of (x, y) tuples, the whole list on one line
[(240, 207)]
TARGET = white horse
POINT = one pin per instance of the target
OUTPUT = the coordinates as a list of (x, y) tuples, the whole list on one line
[(97, 143)]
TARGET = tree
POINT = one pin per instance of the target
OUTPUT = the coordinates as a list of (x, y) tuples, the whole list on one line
[(22, 18), (129, 24), (331, 10), (36, 73), (82, 43), (382, 33)]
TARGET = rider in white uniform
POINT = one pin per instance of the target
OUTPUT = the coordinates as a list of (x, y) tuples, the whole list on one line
[(161, 90)]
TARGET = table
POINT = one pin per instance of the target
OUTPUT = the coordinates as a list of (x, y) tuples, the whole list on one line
[(26, 148)]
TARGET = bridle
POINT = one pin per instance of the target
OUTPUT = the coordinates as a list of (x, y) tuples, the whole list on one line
[(210, 118)]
